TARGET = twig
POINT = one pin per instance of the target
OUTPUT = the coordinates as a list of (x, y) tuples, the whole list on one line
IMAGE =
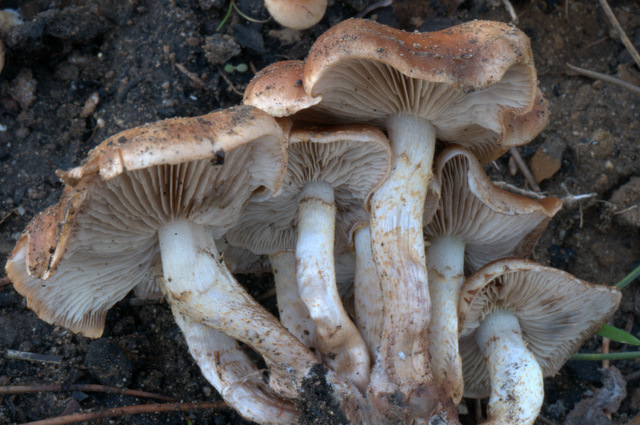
[(524, 169), (191, 76), (25, 389), (605, 350), (373, 6), (632, 207), (515, 189), (131, 84), (623, 36), (130, 410), (32, 357), (545, 420), (231, 86), (5, 281), (609, 79), (511, 10)]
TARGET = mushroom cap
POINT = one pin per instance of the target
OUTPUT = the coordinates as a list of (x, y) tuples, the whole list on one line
[(471, 81), (297, 14), (493, 223), (353, 159), (79, 257), (557, 312), (277, 89)]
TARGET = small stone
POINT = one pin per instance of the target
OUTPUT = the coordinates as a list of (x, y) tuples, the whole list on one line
[(90, 105), (23, 88), (219, 48), (547, 160), (629, 75), (286, 36)]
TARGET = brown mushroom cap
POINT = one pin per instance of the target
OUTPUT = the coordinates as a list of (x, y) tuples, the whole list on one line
[(556, 311), (493, 223), (470, 81), (79, 257), (278, 90)]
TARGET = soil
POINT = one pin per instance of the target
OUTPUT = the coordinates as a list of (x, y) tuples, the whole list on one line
[(79, 71)]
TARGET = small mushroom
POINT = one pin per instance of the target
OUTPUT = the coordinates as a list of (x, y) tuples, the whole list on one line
[(329, 171), (521, 321), (296, 14), (475, 223)]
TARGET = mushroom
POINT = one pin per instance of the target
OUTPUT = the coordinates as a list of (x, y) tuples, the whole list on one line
[(277, 89), (330, 170), (521, 321), (470, 84), (296, 14), (475, 223), (162, 192)]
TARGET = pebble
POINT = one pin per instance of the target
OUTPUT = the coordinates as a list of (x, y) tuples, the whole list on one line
[(23, 88), (547, 160)]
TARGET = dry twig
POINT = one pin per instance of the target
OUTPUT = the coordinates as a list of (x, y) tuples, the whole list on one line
[(130, 410), (25, 389), (5, 281), (623, 36), (515, 154), (32, 357), (604, 77), (191, 76)]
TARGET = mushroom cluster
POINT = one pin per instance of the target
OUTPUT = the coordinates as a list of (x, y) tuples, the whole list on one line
[(399, 267)]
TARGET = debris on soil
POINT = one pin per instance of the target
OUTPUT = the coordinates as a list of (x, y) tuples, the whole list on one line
[(592, 410), (626, 203)]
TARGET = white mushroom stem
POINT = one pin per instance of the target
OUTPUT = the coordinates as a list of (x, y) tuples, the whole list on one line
[(367, 294), (445, 262), (199, 285), (234, 375), (398, 247), (516, 378), (293, 313), (339, 341)]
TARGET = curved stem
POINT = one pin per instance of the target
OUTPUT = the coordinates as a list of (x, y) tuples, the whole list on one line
[(516, 378), (293, 313), (445, 261), (199, 286), (234, 375), (396, 230), (369, 306), (339, 341)]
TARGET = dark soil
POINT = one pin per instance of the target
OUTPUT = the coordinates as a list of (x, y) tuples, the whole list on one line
[(80, 71)]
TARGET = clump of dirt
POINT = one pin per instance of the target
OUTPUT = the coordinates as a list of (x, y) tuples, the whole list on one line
[(78, 72)]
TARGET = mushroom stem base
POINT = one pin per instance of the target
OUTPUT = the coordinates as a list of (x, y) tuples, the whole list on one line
[(199, 285), (517, 389), (339, 341), (396, 231)]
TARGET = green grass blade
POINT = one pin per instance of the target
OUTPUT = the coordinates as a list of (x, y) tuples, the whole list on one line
[(628, 278), (617, 335), (226, 17), (627, 355)]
